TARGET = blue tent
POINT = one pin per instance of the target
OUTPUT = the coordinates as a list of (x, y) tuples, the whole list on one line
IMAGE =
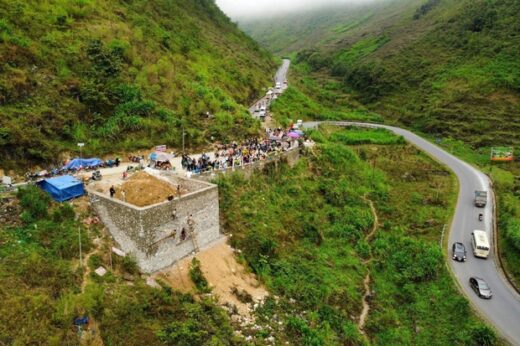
[(63, 188), (77, 163)]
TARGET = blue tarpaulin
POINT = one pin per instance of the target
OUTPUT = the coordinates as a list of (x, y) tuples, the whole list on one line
[(77, 163), (63, 188)]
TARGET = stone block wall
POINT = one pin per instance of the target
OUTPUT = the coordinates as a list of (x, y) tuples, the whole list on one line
[(147, 232)]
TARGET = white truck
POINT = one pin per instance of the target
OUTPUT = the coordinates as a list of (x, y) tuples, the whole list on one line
[(480, 199)]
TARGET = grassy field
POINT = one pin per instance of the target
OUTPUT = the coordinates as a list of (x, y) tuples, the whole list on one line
[(302, 231), (122, 75)]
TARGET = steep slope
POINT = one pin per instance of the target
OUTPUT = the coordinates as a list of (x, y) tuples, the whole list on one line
[(121, 75), (442, 66), (317, 28)]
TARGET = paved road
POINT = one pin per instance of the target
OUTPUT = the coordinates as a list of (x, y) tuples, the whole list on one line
[(281, 74), (280, 77), (503, 310)]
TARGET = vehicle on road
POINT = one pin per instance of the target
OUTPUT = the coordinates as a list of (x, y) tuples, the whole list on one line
[(480, 287), (480, 217), (480, 198), (480, 243), (504, 311), (459, 252)]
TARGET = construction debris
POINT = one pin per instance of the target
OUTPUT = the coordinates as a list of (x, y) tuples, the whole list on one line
[(100, 271), (118, 252)]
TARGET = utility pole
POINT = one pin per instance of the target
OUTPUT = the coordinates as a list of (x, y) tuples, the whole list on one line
[(183, 134), (80, 145)]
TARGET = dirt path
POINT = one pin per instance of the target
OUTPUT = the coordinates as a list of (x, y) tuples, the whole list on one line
[(87, 271), (366, 282)]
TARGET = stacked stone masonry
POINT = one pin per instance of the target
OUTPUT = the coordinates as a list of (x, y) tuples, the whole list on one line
[(154, 234), (146, 232)]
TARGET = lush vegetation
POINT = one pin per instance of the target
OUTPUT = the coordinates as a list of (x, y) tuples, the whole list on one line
[(314, 98), (121, 75), (361, 136), (43, 289), (303, 231), (449, 68)]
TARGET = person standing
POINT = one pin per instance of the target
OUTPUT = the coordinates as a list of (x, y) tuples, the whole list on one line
[(112, 191)]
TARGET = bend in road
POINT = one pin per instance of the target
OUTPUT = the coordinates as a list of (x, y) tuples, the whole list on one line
[(503, 310)]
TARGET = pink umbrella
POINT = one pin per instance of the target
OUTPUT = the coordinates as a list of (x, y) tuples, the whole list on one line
[(293, 135)]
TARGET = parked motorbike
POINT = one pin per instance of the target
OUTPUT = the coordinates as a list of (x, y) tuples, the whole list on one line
[(96, 176)]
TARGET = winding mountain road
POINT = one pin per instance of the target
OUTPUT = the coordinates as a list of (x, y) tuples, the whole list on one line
[(503, 310)]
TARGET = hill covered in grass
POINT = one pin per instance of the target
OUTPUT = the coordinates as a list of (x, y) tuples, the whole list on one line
[(121, 75), (446, 67)]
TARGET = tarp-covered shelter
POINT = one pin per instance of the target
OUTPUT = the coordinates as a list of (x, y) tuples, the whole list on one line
[(63, 188), (161, 157), (82, 163)]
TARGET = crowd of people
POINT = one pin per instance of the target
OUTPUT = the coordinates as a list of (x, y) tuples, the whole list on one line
[(239, 154)]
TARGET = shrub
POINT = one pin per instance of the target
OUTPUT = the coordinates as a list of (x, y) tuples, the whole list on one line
[(482, 335), (63, 213), (34, 202), (95, 261), (198, 278), (129, 264), (513, 232)]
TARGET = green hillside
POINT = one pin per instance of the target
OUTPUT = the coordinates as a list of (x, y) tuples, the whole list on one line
[(121, 75), (446, 67)]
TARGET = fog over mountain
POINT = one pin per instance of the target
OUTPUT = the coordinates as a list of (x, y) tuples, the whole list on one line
[(246, 9)]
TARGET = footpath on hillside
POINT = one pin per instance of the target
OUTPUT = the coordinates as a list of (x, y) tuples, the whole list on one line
[(366, 282)]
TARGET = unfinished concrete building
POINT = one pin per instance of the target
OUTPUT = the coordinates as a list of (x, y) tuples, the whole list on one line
[(160, 234)]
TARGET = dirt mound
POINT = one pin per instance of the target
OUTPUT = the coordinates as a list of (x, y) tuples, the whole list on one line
[(143, 189), (224, 274)]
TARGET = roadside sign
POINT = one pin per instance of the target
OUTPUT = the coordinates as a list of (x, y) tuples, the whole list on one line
[(502, 154), (161, 148)]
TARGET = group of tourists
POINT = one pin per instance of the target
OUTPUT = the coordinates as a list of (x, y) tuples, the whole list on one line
[(239, 154)]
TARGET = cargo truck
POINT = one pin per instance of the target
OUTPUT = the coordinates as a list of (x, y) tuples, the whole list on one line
[(480, 199)]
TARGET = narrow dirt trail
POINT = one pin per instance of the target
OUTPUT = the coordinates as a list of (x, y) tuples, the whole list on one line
[(366, 281), (87, 270)]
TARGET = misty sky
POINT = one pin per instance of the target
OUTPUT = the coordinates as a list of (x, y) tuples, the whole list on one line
[(238, 9)]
